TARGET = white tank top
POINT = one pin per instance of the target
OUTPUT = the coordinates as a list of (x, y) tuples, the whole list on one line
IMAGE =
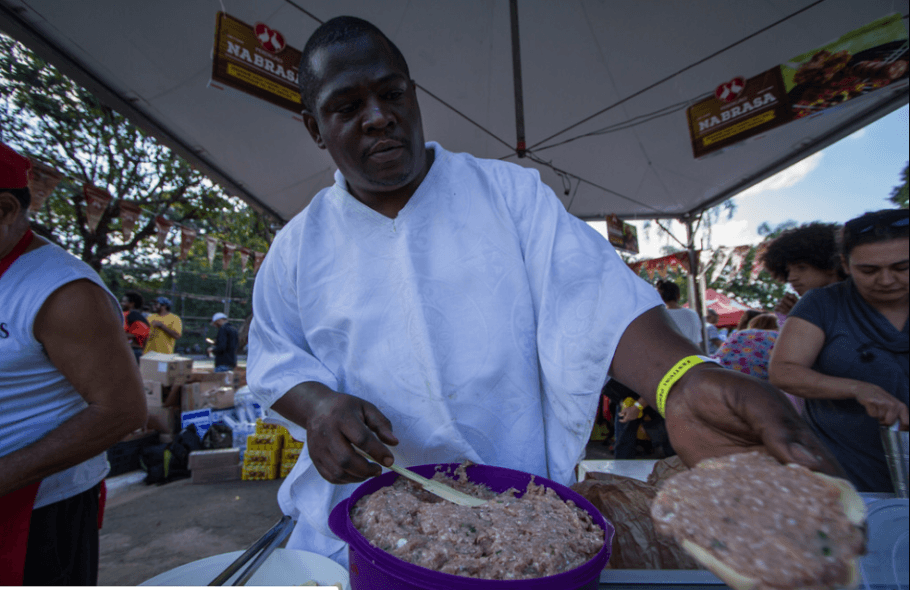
[(34, 396)]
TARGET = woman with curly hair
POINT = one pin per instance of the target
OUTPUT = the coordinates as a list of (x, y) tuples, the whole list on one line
[(845, 348), (806, 257)]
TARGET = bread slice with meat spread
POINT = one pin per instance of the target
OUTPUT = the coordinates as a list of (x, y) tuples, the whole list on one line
[(761, 525)]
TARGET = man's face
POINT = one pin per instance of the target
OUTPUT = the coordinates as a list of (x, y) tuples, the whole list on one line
[(804, 277), (366, 115), (126, 304)]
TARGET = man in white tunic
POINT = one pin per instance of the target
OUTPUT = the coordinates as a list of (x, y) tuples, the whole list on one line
[(455, 300)]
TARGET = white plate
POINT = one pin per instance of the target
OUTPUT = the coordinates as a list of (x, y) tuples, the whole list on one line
[(885, 562), (284, 567)]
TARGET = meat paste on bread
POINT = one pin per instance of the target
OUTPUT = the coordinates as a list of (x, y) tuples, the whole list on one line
[(760, 525)]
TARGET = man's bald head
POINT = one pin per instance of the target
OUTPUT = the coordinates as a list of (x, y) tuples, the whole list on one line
[(341, 29)]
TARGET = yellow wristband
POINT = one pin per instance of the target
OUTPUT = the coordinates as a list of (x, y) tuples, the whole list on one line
[(673, 375)]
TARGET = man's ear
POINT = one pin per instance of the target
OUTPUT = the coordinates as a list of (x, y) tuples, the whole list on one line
[(845, 265), (10, 208), (313, 127)]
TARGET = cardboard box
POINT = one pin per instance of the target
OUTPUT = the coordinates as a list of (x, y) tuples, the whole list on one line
[(203, 419), (164, 420), (217, 474), (207, 394), (167, 369), (213, 458), (153, 394), (200, 375)]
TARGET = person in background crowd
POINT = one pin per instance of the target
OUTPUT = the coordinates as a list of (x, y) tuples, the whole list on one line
[(455, 299), (743, 323), (164, 328), (687, 321), (749, 350), (764, 321), (134, 323), (225, 348), (714, 339), (69, 390), (844, 348), (806, 257)]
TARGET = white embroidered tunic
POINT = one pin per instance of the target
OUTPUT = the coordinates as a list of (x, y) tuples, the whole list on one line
[(481, 321)]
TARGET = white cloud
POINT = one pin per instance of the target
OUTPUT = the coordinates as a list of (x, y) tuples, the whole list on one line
[(786, 178), (734, 233)]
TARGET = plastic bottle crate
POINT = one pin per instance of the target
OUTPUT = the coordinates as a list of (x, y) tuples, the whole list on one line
[(124, 456), (255, 457), (265, 442), (253, 472)]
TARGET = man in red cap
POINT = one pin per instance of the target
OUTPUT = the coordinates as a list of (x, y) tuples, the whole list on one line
[(69, 390)]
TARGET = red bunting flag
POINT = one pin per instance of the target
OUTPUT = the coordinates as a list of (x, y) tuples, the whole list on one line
[(187, 237), (129, 215), (96, 201), (41, 183), (164, 226), (244, 258), (211, 244), (228, 250), (258, 257)]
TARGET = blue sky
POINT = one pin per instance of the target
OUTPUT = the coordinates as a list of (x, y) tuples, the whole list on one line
[(839, 183)]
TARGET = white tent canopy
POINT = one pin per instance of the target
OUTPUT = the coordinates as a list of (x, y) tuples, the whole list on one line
[(605, 87)]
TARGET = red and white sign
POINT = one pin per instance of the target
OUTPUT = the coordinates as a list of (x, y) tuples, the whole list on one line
[(729, 91), (41, 182), (258, 257), (129, 215), (228, 252), (187, 237), (164, 226), (211, 244), (244, 254), (96, 201), (270, 39)]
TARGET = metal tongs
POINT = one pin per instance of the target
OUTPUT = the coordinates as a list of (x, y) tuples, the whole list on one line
[(258, 552)]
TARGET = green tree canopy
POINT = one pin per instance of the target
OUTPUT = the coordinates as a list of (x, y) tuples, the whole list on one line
[(48, 117), (900, 195)]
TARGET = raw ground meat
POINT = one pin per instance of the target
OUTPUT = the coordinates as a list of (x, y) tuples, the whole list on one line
[(536, 535), (778, 524)]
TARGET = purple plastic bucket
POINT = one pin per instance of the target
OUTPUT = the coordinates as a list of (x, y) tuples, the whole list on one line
[(374, 569)]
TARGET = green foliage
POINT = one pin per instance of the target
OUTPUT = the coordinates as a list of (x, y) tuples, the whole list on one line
[(51, 119), (762, 292), (900, 195), (770, 233)]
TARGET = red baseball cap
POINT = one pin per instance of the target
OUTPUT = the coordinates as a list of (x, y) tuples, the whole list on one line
[(13, 168)]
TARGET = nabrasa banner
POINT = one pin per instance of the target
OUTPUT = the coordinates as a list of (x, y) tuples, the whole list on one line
[(868, 58), (255, 59)]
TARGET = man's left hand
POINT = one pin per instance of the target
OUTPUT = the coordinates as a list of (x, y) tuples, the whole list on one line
[(713, 411)]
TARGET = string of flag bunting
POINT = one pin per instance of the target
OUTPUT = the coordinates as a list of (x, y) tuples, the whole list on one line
[(44, 179), (679, 262)]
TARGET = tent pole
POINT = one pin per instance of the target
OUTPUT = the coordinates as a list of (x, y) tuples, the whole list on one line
[(516, 80), (696, 297)]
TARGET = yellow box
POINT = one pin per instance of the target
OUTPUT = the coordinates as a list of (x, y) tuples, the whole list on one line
[(258, 472), (255, 457), (285, 469), (290, 455), (264, 442)]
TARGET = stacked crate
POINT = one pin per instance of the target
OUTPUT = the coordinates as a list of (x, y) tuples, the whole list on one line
[(289, 455), (270, 452)]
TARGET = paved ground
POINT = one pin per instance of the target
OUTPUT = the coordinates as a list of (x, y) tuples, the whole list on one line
[(149, 530)]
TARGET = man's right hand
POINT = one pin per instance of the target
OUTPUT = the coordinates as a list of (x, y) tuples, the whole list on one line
[(334, 421)]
